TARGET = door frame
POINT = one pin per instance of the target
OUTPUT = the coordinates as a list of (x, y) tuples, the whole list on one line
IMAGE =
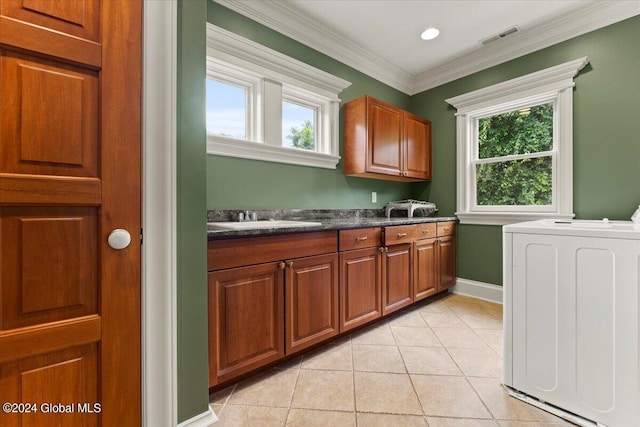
[(159, 220)]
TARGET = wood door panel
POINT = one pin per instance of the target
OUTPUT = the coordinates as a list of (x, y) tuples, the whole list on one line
[(385, 135), (67, 29), (311, 301), (360, 290), (40, 247), (48, 125), (397, 278), (425, 269), (67, 377), (246, 325), (32, 189), (417, 136), (447, 262)]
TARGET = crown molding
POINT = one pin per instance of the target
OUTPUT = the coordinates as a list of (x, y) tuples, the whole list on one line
[(293, 23), (565, 27)]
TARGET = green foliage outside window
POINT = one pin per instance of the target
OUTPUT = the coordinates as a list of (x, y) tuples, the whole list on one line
[(517, 182), (302, 138)]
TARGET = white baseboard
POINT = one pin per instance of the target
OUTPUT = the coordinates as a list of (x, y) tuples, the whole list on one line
[(480, 290), (205, 419)]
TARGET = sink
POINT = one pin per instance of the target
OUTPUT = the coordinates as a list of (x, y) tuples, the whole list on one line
[(255, 225)]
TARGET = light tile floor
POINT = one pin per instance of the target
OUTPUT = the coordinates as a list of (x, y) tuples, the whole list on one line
[(437, 364)]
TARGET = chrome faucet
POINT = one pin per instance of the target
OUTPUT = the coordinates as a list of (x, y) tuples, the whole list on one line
[(247, 216)]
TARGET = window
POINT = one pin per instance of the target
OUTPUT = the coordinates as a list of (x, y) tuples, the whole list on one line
[(266, 106), (514, 148)]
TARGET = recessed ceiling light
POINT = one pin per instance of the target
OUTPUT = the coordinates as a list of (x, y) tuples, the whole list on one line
[(429, 34)]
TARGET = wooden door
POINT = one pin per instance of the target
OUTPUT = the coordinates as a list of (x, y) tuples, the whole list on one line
[(385, 138), (311, 305), (417, 140), (360, 290), (425, 281), (396, 278), (246, 322), (446, 262), (70, 142)]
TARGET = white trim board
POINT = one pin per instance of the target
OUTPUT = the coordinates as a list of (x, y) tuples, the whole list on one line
[(158, 221), (479, 290), (159, 260), (204, 419), (293, 23)]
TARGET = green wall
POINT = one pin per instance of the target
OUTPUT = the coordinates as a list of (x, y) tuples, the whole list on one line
[(606, 161), (251, 184), (193, 384)]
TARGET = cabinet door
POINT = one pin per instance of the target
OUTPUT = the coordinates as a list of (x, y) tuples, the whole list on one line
[(397, 286), (417, 148), (384, 153), (446, 262), (360, 290), (245, 320), (425, 281), (311, 305)]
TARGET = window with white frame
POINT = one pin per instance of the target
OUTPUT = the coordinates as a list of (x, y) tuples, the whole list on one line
[(514, 148), (264, 105)]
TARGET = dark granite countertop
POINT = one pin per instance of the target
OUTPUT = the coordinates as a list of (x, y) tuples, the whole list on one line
[(329, 219)]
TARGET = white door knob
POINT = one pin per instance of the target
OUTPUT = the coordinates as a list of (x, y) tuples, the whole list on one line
[(119, 238)]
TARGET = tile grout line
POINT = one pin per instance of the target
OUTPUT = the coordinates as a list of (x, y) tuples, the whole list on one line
[(295, 386)]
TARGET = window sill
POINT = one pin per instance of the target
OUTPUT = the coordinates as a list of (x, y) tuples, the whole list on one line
[(504, 218), (269, 153)]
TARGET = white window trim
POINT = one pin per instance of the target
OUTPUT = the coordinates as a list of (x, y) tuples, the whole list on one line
[(277, 69), (555, 83)]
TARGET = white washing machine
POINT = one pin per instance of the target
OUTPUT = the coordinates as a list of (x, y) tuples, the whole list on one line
[(571, 322)]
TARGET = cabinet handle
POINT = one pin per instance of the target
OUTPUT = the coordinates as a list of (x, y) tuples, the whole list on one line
[(386, 249), (402, 234), (290, 264), (281, 265), (361, 239), (380, 249), (426, 231)]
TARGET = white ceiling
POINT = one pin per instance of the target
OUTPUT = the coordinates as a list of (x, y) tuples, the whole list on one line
[(392, 29), (382, 37)]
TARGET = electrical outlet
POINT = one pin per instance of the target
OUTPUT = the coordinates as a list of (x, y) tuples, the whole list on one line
[(374, 197)]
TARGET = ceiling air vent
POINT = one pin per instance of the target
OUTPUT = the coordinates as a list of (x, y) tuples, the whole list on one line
[(501, 35)]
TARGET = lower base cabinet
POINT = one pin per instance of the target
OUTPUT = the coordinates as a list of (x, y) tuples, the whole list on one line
[(273, 296), (246, 320), (311, 305), (360, 291), (397, 283)]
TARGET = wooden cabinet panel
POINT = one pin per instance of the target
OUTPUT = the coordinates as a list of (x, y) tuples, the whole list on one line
[(385, 139), (399, 234), (417, 137), (397, 286), (229, 253), (447, 228), (446, 262), (246, 320), (311, 304), (425, 281), (360, 290), (360, 238), (385, 142)]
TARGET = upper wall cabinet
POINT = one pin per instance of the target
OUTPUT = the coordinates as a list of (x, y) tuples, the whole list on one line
[(385, 142)]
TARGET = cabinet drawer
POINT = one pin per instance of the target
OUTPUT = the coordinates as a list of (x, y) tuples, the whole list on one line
[(425, 231), (229, 253), (446, 228), (399, 234), (360, 238)]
